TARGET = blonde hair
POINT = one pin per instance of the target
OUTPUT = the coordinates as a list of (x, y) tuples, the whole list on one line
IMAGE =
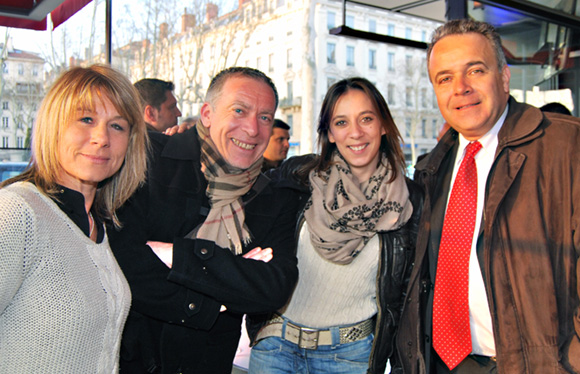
[(80, 88)]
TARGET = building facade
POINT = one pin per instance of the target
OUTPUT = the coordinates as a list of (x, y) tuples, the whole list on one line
[(289, 40), (21, 91)]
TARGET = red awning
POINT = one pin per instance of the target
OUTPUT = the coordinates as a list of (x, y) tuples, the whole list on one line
[(30, 14)]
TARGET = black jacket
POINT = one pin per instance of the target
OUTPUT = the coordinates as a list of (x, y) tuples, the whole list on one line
[(169, 303), (396, 261)]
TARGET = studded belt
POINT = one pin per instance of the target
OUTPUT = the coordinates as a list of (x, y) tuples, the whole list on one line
[(309, 338)]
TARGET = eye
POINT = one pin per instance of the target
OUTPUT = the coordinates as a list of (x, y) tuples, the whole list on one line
[(238, 111), (266, 118), (367, 119), (476, 71), (117, 126), (444, 80), (87, 120), (340, 123)]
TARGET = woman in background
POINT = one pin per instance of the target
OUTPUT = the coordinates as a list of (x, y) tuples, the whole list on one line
[(356, 242), (63, 298)]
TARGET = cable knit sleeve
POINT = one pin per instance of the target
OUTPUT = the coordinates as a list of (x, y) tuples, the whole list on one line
[(16, 220)]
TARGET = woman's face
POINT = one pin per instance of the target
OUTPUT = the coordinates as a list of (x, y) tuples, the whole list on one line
[(92, 147), (356, 129)]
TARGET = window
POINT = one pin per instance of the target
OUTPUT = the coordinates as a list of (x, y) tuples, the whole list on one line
[(423, 127), (372, 59), (373, 25), (407, 127), (435, 128), (330, 20), (434, 101), (5, 122), (5, 143), (5, 68), (259, 63), (20, 142), (20, 69), (290, 122), (290, 91), (19, 105), (391, 94), (279, 3), (19, 125), (5, 105), (391, 61), (35, 70), (289, 58), (423, 97), (271, 62), (349, 55), (408, 33), (331, 53), (423, 36), (390, 29), (349, 21), (409, 97)]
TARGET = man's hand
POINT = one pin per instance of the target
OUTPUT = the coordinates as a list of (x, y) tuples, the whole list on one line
[(164, 251), (178, 129), (260, 254)]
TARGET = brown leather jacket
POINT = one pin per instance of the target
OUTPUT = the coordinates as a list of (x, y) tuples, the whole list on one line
[(528, 247)]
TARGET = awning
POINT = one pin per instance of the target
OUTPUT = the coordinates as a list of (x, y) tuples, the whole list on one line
[(32, 14)]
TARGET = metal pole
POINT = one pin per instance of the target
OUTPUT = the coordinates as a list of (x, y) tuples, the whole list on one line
[(108, 38)]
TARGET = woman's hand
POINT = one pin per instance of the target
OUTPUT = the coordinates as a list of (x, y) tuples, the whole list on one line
[(260, 254), (164, 251)]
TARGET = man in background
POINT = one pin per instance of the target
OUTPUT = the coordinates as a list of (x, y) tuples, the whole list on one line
[(278, 146), (160, 109)]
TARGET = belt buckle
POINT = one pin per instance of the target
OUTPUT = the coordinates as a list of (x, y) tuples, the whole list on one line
[(308, 338)]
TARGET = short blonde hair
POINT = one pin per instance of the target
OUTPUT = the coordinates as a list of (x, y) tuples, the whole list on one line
[(80, 88)]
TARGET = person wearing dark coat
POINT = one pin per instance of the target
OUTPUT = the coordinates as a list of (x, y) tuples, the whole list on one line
[(207, 238)]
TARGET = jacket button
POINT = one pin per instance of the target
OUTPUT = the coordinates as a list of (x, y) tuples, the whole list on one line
[(191, 306), (203, 251)]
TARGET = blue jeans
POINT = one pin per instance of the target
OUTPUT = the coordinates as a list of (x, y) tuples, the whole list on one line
[(275, 355)]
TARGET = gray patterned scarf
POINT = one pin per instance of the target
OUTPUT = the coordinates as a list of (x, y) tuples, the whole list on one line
[(343, 215), (225, 187)]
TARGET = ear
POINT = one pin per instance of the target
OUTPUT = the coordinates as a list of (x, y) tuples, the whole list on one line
[(331, 137), (505, 77), (205, 113), (150, 115)]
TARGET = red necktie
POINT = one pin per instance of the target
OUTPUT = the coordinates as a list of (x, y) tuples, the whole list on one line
[(451, 332)]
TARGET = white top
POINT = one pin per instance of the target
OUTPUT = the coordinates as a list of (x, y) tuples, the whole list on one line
[(63, 298), (329, 294), (479, 314)]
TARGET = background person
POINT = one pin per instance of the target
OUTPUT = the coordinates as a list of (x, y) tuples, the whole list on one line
[(555, 107), (495, 286), (160, 109), (278, 145), (355, 247), (63, 299), (209, 217)]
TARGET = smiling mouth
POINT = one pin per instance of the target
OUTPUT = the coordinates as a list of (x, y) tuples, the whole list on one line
[(243, 145), (467, 106), (358, 147)]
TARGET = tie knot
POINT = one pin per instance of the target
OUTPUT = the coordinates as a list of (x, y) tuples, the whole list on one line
[(472, 149)]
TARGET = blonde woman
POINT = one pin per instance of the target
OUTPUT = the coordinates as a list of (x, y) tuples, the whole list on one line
[(63, 299)]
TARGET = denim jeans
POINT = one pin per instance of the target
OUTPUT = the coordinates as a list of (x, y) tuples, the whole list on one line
[(275, 355)]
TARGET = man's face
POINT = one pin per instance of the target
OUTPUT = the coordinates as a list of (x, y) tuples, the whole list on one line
[(471, 91), (168, 113), (278, 146), (241, 119)]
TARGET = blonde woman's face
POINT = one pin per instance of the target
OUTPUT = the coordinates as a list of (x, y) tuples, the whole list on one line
[(92, 147)]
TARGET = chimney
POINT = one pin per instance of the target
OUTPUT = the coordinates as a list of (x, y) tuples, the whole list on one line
[(211, 12), (163, 30), (187, 22)]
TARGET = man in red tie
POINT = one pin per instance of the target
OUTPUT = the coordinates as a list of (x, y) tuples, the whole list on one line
[(495, 286)]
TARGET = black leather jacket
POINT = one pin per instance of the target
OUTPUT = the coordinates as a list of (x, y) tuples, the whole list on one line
[(396, 262)]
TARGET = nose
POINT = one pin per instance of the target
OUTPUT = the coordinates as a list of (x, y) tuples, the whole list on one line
[(178, 112), (100, 135), (286, 144), (250, 126), (356, 131), (461, 86)]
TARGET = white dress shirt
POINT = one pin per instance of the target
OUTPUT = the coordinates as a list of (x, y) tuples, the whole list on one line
[(479, 314)]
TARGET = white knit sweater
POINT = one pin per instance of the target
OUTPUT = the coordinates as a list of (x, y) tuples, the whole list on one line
[(63, 298)]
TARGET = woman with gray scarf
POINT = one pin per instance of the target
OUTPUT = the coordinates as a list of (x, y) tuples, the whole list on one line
[(356, 238)]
